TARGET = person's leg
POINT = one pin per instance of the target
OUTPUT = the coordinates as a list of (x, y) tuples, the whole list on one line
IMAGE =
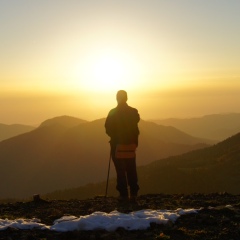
[(121, 178), (121, 174), (132, 177)]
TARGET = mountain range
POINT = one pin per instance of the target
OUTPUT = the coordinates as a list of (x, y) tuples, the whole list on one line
[(66, 152), (216, 126), (8, 131), (209, 170)]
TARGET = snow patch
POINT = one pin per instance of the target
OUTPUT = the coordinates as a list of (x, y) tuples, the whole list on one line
[(22, 224), (138, 220)]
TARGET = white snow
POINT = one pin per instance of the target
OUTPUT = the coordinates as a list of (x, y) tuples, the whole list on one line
[(138, 220), (23, 224)]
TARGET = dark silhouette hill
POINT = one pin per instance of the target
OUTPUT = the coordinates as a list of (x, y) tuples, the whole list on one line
[(213, 169), (216, 127), (65, 152), (12, 130), (208, 170)]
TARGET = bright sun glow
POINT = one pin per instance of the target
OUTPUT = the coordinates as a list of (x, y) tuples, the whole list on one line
[(109, 71)]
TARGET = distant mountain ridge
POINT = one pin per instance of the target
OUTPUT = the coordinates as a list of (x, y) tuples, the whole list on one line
[(12, 130), (66, 121), (66, 152), (216, 126)]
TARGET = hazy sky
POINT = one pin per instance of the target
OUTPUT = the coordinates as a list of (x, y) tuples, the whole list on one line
[(175, 58)]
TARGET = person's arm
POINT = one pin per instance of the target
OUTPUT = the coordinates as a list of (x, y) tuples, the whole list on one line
[(109, 124), (138, 116)]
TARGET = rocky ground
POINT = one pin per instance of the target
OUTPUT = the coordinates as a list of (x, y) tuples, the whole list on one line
[(218, 222)]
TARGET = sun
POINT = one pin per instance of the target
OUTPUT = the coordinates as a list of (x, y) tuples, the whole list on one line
[(109, 71)]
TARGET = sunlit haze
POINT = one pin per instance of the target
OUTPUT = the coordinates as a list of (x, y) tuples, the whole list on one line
[(174, 58)]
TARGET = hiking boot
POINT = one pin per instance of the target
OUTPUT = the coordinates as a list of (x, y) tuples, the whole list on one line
[(133, 198), (123, 198)]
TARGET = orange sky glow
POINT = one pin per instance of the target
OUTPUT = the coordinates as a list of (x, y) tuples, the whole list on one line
[(174, 58)]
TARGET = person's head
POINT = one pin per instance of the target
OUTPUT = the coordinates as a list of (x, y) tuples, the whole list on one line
[(122, 96)]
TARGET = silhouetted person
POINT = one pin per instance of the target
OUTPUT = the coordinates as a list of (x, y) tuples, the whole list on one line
[(122, 127)]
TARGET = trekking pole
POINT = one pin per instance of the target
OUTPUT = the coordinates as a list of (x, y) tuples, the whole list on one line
[(108, 173)]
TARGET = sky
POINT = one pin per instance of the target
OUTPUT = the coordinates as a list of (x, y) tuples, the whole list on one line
[(138, 220), (174, 58)]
